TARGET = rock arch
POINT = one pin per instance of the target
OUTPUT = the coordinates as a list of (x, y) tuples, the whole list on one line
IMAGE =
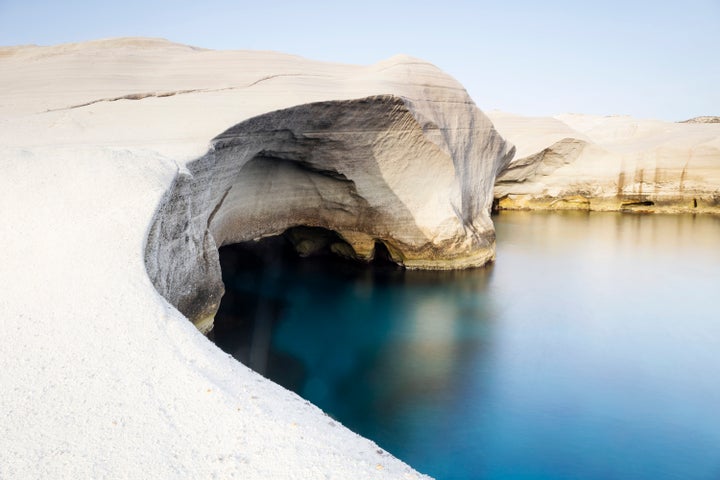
[(366, 169)]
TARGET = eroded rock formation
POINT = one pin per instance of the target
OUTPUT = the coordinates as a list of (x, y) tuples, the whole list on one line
[(582, 162), (114, 166), (376, 169), (103, 375)]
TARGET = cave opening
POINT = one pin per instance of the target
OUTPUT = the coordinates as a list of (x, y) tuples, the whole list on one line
[(369, 342), (413, 363), (639, 203), (258, 277)]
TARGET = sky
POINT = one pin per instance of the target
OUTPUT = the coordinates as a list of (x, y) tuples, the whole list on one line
[(649, 59)]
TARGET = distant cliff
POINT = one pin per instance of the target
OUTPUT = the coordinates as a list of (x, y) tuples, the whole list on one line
[(704, 119), (616, 163)]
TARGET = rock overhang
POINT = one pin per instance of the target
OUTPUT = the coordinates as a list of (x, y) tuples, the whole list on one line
[(127, 370), (365, 168)]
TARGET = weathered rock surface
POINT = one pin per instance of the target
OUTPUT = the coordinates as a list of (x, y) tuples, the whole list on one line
[(703, 119), (125, 163), (583, 162), (366, 169), (411, 168)]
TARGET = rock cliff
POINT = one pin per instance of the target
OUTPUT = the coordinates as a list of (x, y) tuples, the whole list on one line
[(125, 163), (583, 162), (365, 169), (410, 169)]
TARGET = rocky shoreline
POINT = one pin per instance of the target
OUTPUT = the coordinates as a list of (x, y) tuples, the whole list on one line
[(616, 163)]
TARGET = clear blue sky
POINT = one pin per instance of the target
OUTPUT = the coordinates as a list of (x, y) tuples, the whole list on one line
[(652, 59)]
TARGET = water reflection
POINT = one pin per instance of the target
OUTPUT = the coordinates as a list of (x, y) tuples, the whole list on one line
[(591, 349)]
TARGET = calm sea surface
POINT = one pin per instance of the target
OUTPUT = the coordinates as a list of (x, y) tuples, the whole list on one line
[(589, 350)]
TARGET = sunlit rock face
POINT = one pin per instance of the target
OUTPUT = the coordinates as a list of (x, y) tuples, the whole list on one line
[(117, 182), (372, 170), (583, 162)]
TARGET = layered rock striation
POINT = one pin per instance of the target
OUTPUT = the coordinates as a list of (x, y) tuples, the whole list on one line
[(583, 162)]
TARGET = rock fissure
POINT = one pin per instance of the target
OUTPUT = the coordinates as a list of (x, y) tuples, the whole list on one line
[(172, 93), (133, 96)]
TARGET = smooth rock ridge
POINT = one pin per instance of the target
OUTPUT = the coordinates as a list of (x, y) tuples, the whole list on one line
[(367, 169)]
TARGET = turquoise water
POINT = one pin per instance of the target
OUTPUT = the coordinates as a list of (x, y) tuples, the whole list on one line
[(589, 350)]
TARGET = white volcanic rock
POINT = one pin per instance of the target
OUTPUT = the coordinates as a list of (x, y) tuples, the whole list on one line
[(124, 163), (609, 163), (366, 169)]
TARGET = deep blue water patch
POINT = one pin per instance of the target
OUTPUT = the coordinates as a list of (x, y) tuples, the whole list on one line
[(589, 350)]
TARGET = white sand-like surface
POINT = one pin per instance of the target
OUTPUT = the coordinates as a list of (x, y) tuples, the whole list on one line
[(99, 376)]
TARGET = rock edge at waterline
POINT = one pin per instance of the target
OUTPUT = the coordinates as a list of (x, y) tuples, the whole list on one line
[(110, 176), (616, 163), (365, 169)]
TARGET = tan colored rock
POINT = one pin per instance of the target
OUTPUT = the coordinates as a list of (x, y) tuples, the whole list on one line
[(584, 162), (703, 119), (401, 169)]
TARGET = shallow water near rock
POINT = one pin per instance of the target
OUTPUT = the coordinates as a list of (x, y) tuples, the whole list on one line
[(589, 350)]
